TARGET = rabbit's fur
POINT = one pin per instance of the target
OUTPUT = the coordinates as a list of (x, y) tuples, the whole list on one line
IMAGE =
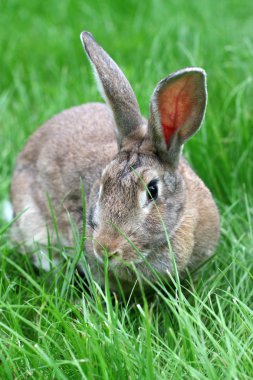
[(117, 154)]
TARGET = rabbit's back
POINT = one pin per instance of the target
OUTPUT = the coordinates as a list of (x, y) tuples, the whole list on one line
[(76, 143)]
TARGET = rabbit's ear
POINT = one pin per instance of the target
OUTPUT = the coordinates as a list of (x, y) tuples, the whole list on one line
[(177, 108), (114, 88)]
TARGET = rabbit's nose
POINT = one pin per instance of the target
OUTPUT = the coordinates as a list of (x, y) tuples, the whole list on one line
[(115, 253), (109, 250)]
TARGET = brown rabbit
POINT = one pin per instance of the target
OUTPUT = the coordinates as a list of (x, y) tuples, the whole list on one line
[(136, 181)]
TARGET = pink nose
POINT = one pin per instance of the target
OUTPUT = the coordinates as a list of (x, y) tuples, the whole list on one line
[(113, 253), (110, 250)]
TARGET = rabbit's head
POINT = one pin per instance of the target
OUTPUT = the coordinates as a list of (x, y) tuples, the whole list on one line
[(141, 197)]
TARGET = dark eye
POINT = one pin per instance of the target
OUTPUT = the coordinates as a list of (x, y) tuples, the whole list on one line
[(152, 192)]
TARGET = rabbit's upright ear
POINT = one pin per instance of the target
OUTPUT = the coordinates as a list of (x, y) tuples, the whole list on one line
[(177, 109), (114, 87)]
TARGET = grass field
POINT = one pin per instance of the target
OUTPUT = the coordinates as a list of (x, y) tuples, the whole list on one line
[(49, 329)]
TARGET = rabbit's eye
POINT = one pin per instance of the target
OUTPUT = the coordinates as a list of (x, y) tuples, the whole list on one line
[(152, 192)]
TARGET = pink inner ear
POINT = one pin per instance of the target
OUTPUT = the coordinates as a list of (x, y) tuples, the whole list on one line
[(175, 104)]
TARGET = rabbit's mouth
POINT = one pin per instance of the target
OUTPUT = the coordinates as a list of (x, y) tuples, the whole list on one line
[(118, 258)]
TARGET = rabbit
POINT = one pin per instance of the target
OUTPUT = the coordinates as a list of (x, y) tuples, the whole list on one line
[(140, 190)]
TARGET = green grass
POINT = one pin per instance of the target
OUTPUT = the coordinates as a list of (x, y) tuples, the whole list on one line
[(49, 328)]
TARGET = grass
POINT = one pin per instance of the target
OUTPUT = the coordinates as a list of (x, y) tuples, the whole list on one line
[(50, 328)]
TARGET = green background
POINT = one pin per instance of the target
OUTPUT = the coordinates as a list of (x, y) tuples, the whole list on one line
[(205, 335)]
